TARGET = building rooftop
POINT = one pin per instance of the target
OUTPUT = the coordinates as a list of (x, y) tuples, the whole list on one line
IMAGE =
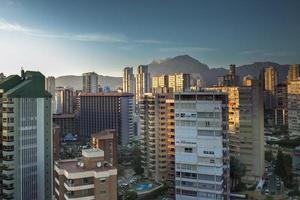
[(59, 116), (107, 94), (92, 153), (71, 166), (106, 134)]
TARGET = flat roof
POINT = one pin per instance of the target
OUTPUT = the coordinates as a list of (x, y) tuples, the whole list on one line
[(71, 166), (108, 94), (92, 153)]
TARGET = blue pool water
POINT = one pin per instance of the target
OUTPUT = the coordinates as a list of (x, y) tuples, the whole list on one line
[(144, 186)]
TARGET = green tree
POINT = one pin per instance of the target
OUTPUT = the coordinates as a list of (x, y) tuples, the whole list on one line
[(137, 159), (237, 171), (283, 167), (269, 198), (269, 156), (279, 165), (131, 195)]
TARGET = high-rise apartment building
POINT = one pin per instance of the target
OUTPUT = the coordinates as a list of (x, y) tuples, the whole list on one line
[(202, 152), (143, 84), (90, 82), (246, 127), (25, 129), (100, 111), (160, 83), (170, 124), (230, 79), (294, 108), (128, 80), (56, 142), (106, 140), (153, 140), (179, 82), (66, 123), (64, 100), (233, 117), (271, 79), (251, 131), (281, 105), (50, 87), (294, 72), (247, 80), (89, 177)]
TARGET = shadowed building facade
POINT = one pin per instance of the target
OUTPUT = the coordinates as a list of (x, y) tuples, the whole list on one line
[(100, 111), (26, 126)]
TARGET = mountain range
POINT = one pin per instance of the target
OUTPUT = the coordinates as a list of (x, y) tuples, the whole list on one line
[(185, 64)]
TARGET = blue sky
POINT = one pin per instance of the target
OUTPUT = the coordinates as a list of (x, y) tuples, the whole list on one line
[(73, 36)]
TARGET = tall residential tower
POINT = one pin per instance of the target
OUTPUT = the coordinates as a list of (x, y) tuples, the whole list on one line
[(25, 129), (142, 81), (201, 140), (90, 82)]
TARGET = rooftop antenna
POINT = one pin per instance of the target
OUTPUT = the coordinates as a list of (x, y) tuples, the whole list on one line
[(22, 73)]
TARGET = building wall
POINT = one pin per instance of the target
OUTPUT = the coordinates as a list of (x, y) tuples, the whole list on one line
[(143, 83), (201, 153), (252, 132), (110, 111), (294, 108), (128, 80), (90, 82), (153, 113)]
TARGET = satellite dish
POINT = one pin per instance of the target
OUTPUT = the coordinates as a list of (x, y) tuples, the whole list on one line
[(81, 164), (99, 164), (78, 163)]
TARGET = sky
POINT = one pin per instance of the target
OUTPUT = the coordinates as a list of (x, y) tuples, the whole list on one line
[(69, 37)]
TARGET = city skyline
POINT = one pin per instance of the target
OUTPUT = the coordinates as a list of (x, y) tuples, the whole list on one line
[(69, 38)]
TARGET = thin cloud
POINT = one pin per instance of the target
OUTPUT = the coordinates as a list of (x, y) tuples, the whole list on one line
[(153, 41), (186, 49), (83, 37), (250, 52)]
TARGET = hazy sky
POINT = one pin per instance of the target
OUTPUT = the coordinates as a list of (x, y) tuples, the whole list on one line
[(73, 36)]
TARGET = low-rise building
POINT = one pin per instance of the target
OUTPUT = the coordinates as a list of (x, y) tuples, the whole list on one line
[(89, 177)]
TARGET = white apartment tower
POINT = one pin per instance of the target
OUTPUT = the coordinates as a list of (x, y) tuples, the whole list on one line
[(128, 80), (90, 82), (50, 87), (142, 81), (201, 146)]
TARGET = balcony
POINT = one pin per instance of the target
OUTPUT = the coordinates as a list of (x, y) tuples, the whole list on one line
[(69, 196), (8, 188), (8, 196), (73, 187), (8, 177)]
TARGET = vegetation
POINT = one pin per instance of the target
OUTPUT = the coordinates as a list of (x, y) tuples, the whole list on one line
[(237, 171), (286, 143), (283, 168), (269, 156), (137, 160), (131, 195), (269, 198)]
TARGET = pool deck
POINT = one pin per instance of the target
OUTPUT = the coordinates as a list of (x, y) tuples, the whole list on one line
[(155, 187)]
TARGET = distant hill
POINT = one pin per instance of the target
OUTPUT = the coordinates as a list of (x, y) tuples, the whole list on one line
[(182, 63), (76, 81), (187, 64)]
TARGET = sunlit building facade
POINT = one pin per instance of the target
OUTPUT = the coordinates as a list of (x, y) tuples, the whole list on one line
[(202, 151)]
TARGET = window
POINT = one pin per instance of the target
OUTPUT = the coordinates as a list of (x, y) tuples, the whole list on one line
[(102, 192), (207, 124), (212, 161), (188, 150), (102, 180)]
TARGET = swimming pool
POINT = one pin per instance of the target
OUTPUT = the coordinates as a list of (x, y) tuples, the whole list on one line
[(144, 186)]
